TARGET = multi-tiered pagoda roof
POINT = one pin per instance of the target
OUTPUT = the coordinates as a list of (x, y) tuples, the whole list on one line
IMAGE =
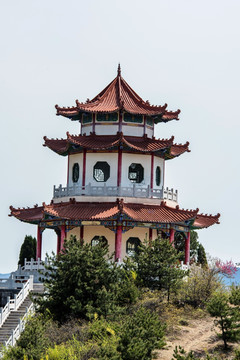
[(118, 96), (123, 186)]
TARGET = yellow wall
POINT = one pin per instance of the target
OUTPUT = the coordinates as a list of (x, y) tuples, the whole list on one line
[(91, 231)]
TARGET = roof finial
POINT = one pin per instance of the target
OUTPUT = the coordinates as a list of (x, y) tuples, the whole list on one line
[(119, 69)]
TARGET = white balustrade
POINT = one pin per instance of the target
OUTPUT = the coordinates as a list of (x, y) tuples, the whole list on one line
[(13, 304), (19, 328), (133, 191), (184, 266), (33, 265)]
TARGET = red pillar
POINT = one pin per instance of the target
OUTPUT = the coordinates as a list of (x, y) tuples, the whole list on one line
[(81, 232), (119, 173), (39, 243), (118, 243), (62, 236), (84, 168), (152, 165), (145, 125), (68, 171), (120, 122), (171, 239), (187, 248), (94, 123), (58, 242), (150, 234)]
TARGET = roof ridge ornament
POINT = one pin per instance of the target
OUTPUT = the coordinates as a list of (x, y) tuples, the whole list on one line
[(119, 70)]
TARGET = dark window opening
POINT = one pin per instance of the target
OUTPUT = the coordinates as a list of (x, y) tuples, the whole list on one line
[(149, 121), (107, 117), (132, 246), (133, 118), (75, 173), (158, 175), (101, 171), (99, 239), (136, 173), (86, 118)]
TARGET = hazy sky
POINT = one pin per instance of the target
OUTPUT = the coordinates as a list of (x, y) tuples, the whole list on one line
[(181, 52)]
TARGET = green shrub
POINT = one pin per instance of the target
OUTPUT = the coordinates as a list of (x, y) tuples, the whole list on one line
[(157, 267), (72, 350), (141, 333), (32, 342), (198, 287), (227, 316)]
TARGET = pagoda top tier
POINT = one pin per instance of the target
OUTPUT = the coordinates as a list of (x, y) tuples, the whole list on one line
[(118, 96)]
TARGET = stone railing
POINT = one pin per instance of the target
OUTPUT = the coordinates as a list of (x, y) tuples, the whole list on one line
[(13, 304), (133, 191), (184, 266), (34, 265), (19, 328)]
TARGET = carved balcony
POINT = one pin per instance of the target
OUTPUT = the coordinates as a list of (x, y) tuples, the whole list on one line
[(134, 191)]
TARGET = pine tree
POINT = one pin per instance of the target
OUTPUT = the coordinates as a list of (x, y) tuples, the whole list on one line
[(201, 256), (227, 315), (83, 281), (28, 249), (157, 266)]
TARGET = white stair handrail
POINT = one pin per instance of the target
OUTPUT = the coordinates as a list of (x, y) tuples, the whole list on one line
[(19, 328), (13, 304)]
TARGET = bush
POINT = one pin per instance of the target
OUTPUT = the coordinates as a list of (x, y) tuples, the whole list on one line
[(198, 287), (82, 281), (141, 333), (32, 342), (227, 317), (157, 267), (72, 350)]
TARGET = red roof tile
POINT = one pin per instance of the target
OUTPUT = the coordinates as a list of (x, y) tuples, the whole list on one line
[(178, 149), (33, 215), (104, 142), (103, 211), (82, 211), (118, 95), (159, 214), (204, 221)]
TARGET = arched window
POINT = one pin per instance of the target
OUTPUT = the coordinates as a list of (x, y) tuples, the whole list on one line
[(132, 246), (97, 239), (75, 173), (101, 171), (136, 173), (158, 175)]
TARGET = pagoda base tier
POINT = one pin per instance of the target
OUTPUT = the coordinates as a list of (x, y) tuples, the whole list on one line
[(122, 239), (122, 225)]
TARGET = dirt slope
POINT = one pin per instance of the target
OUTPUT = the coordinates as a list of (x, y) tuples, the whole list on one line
[(199, 336)]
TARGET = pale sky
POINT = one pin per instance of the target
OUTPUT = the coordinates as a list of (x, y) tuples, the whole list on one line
[(185, 53)]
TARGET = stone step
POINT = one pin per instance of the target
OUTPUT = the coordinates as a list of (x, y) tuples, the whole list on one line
[(12, 321)]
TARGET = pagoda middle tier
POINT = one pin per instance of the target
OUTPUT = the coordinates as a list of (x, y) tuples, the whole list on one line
[(164, 148)]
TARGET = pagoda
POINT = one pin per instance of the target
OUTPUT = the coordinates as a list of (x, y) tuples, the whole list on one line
[(115, 189)]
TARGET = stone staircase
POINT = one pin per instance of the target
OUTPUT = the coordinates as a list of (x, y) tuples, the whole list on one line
[(13, 321), (14, 318)]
